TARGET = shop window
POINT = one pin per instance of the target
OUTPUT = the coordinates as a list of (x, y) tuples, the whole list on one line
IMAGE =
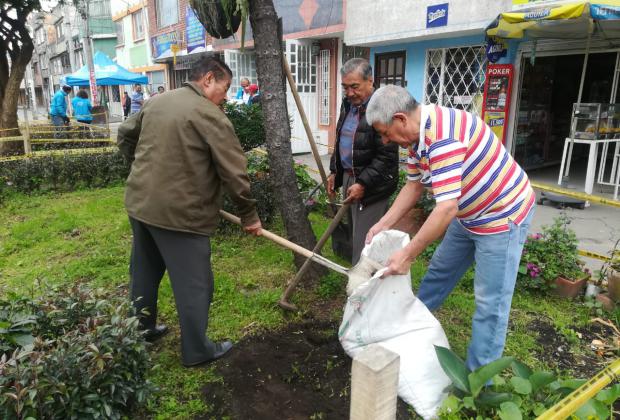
[(454, 77), (167, 12), (242, 65), (324, 87), (138, 24), (156, 79), (390, 69)]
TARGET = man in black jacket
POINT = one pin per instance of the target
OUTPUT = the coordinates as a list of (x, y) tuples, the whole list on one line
[(365, 168)]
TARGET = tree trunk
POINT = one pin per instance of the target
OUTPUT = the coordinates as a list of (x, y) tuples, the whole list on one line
[(268, 48), (20, 54)]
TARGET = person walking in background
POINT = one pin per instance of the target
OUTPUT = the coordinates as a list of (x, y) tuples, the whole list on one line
[(185, 153), (254, 94), (58, 112), (365, 168), (126, 105), (243, 94), (137, 100), (82, 111)]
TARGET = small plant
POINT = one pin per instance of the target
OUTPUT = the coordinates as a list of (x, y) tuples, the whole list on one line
[(519, 393), (548, 255), (248, 123)]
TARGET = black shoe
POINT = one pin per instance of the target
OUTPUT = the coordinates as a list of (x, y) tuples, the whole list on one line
[(220, 350), (153, 334)]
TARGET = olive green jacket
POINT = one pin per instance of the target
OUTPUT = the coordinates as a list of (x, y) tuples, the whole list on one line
[(184, 150)]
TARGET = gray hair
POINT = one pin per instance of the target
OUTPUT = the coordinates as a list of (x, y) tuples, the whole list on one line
[(386, 102), (359, 65)]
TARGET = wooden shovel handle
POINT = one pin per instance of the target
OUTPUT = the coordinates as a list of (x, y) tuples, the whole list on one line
[(272, 236)]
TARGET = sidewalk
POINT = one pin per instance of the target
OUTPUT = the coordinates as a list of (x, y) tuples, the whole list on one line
[(597, 227)]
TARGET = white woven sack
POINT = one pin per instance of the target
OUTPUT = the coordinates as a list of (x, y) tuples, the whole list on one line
[(385, 311)]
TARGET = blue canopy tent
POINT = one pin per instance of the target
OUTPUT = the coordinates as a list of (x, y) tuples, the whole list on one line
[(107, 73)]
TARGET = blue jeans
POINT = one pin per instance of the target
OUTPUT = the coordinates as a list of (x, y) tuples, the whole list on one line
[(497, 259), (59, 123)]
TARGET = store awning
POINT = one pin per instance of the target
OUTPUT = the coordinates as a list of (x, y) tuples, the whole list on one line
[(568, 21), (107, 73)]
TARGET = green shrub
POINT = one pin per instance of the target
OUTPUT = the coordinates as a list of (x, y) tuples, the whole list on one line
[(87, 358), (63, 172), (519, 393), (426, 201), (248, 123), (262, 190)]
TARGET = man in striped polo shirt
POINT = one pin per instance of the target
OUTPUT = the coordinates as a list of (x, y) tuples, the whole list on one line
[(484, 206)]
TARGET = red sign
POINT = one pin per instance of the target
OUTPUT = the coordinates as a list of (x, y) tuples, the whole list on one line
[(93, 88), (496, 103)]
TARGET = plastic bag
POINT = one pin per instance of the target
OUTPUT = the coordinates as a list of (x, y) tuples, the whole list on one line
[(385, 311)]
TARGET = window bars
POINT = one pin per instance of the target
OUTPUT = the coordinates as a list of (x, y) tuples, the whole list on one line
[(454, 77)]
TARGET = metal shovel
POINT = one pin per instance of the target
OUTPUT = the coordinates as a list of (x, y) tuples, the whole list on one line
[(357, 274)]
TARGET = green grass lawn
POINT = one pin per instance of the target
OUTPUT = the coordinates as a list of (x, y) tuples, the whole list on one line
[(62, 238)]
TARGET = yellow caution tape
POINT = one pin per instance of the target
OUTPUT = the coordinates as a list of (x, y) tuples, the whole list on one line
[(593, 255), (574, 194), (581, 395)]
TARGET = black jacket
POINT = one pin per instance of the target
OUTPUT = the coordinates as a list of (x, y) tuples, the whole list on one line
[(375, 165)]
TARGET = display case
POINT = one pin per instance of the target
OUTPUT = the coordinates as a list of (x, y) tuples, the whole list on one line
[(595, 121)]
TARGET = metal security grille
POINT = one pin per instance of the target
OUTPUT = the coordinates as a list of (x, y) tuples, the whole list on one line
[(455, 77), (324, 88), (303, 67), (242, 64)]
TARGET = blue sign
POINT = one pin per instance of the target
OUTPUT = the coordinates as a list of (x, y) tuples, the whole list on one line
[(194, 31), (437, 15), (604, 12), (495, 50), (161, 43)]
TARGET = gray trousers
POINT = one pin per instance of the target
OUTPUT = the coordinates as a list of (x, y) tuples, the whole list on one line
[(362, 218), (187, 257)]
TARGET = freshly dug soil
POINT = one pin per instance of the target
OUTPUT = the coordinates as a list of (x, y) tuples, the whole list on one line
[(300, 372)]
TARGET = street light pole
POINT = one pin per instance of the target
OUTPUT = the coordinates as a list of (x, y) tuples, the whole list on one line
[(89, 54)]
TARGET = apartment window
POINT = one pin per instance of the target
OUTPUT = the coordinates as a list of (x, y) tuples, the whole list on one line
[(59, 31), (390, 69), (303, 67), (167, 12), (454, 77), (324, 88), (120, 33), (138, 25), (40, 36)]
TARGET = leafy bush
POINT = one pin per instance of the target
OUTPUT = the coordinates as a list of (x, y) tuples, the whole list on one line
[(248, 123), (521, 393), (548, 255), (262, 190), (81, 356), (426, 201), (64, 172)]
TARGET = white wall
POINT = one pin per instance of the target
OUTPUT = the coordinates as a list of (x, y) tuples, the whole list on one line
[(380, 22)]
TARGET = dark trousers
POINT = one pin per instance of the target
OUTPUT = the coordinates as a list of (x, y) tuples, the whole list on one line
[(59, 127), (362, 218), (187, 257)]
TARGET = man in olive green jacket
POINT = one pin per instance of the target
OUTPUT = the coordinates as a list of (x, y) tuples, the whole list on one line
[(184, 151)]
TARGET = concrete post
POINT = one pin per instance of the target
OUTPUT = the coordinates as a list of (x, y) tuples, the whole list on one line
[(374, 384)]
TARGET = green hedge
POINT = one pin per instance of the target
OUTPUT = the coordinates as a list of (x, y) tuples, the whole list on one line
[(248, 123), (73, 353)]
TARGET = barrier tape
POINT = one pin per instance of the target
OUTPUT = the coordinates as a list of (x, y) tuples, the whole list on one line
[(585, 392), (46, 153), (574, 194), (595, 255)]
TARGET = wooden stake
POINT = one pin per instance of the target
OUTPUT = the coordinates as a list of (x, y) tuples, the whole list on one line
[(374, 384)]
